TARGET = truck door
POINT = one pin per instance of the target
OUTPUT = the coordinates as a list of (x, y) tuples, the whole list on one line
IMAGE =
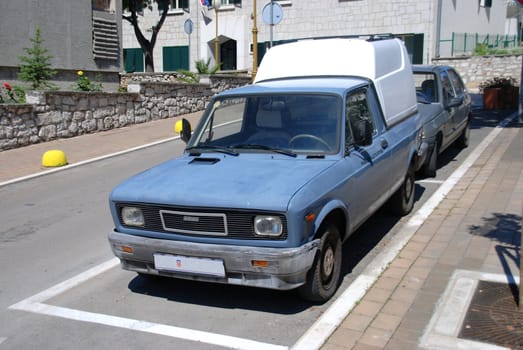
[(369, 175)]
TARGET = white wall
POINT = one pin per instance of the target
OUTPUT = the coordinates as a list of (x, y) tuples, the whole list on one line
[(306, 18)]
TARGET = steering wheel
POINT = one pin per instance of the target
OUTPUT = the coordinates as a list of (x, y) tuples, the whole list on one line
[(313, 137)]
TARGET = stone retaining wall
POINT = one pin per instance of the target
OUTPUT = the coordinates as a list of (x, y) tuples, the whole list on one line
[(476, 69), (51, 115)]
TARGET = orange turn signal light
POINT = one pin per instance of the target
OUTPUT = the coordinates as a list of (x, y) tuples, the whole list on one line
[(127, 249), (260, 263), (310, 217)]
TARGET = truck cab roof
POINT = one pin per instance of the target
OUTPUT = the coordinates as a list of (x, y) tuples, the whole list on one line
[(337, 85)]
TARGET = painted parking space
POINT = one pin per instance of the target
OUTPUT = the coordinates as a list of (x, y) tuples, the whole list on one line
[(45, 302)]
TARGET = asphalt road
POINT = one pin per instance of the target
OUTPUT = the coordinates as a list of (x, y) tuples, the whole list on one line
[(55, 227)]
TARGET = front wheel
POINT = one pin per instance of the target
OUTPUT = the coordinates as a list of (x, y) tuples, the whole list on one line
[(324, 275), (430, 167), (402, 201), (463, 140)]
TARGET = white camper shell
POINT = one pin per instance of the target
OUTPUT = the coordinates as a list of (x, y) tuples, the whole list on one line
[(385, 62)]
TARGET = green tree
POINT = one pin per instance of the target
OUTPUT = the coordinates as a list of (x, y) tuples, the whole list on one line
[(36, 67), (136, 6)]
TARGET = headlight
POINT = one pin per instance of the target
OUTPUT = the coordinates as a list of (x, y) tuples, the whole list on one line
[(268, 226), (132, 216)]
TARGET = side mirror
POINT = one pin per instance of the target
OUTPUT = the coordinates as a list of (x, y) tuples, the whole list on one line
[(362, 131), (183, 127), (454, 102)]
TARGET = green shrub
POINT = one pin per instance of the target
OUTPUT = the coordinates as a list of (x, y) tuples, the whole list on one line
[(12, 94), (497, 82), (186, 76), (83, 83), (36, 67), (203, 67)]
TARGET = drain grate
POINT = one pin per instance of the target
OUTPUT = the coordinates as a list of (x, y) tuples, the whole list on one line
[(493, 316)]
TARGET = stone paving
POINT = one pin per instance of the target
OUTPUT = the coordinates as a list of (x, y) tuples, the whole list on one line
[(476, 227)]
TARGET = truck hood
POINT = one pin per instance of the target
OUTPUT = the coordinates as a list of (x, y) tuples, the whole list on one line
[(247, 181)]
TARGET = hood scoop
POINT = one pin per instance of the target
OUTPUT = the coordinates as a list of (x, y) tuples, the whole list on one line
[(203, 160)]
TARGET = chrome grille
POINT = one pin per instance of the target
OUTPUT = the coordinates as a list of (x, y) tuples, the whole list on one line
[(194, 223), (237, 224)]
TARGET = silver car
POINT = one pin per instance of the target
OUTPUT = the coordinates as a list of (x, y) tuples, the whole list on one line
[(445, 107)]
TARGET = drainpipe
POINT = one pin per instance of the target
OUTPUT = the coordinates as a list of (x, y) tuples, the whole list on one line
[(438, 28)]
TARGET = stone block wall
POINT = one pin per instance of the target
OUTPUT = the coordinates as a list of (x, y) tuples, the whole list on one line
[(476, 69), (18, 126), (59, 114), (51, 115)]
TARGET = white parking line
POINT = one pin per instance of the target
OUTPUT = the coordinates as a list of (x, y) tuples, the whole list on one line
[(430, 181), (36, 304), (92, 160), (314, 338), (148, 327)]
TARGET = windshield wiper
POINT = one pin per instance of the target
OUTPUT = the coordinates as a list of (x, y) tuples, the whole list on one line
[(221, 149), (265, 148)]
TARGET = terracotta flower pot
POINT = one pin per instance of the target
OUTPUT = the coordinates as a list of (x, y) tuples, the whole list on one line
[(491, 98), (510, 97)]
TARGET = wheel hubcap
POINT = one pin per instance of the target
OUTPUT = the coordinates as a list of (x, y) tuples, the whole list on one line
[(328, 263), (409, 185)]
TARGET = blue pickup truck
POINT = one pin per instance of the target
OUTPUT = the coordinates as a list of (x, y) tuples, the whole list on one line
[(278, 174)]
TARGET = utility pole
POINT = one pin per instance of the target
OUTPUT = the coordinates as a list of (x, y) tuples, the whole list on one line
[(216, 39), (254, 42), (520, 304)]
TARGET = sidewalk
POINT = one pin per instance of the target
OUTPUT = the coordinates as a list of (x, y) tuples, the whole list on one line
[(27, 160), (465, 253)]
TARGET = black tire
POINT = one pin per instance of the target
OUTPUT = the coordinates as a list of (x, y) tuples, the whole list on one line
[(402, 201), (324, 276), (429, 168), (463, 140)]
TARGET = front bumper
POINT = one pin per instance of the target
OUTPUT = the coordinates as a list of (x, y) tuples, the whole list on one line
[(286, 268)]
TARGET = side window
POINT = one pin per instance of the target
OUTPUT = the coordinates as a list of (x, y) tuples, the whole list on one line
[(426, 90), (179, 4), (448, 91), (358, 118), (459, 88)]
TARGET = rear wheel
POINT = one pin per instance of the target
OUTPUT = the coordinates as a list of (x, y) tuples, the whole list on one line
[(324, 275), (402, 201)]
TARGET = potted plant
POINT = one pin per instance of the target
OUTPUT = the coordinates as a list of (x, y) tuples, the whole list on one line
[(499, 92)]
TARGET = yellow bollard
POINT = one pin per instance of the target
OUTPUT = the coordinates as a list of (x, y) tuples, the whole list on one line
[(54, 158), (178, 126)]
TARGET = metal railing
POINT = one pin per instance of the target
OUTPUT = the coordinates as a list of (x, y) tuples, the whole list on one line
[(467, 43)]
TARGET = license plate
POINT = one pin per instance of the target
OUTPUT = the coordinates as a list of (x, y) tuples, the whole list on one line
[(186, 264)]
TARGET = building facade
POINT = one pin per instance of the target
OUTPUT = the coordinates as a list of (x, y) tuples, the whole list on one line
[(79, 35), (425, 26)]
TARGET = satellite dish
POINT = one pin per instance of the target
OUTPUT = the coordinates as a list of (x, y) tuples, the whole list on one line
[(272, 13)]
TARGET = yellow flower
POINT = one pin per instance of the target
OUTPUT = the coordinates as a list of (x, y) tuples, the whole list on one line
[(80, 73)]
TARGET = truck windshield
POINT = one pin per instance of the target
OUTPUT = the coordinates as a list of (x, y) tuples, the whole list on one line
[(288, 124)]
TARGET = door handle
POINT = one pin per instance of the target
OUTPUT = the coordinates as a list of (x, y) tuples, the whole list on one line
[(384, 143)]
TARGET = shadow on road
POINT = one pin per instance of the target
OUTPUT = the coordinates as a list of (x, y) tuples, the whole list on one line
[(359, 245)]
